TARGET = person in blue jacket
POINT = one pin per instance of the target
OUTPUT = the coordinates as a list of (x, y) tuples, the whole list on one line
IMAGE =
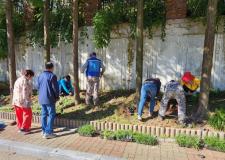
[(94, 70), (65, 86), (48, 95)]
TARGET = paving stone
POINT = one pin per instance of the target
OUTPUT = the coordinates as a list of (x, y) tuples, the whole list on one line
[(95, 145)]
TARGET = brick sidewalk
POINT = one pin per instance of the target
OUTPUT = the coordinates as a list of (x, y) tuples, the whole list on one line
[(68, 140)]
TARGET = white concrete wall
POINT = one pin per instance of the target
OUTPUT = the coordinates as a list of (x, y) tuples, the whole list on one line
[(181, 51)]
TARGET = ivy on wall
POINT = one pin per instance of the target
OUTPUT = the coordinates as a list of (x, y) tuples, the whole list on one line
[(60, 22), (113, 12), (117, 12)]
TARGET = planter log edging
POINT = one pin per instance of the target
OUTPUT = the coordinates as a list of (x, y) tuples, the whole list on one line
[(164, 132), (60, 122)]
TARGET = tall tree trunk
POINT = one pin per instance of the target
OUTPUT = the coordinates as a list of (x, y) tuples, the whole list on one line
[(207, 60), (46, 31), (11, 47), (28, 14), (75, 52), (139, 47)]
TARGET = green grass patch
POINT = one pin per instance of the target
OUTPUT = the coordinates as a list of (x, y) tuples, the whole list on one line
[(110, 135), (87, 131), (129, 136), (215, 143), (188, 141), (217, 120), (124, 135), (145, 139)]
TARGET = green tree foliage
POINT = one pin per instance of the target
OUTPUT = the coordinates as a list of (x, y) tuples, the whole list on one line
[(60, 23), (17, 24), (117, 12), (198, 8)]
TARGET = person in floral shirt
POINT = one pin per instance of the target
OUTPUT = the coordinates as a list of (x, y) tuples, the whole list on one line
[(22, 102)]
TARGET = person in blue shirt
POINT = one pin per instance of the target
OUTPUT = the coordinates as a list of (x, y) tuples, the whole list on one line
[(65, 86), (94, 70), (48, 95)]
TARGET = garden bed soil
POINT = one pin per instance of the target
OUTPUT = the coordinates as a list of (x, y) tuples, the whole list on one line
[(113, 108)]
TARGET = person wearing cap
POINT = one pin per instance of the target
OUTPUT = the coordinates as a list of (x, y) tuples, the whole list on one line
[(94, 70), (150, 88), (65, 86), (174, 90), (48, 90)]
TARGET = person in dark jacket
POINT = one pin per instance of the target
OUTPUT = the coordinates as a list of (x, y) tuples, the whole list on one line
[(48, 90), (150, 88), (65, 86)]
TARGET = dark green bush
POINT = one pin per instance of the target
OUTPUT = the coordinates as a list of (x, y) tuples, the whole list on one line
[(145, 139), (110, 135), (215, 143), (217, 120), (124, 135), (188, 141), (87, 130)]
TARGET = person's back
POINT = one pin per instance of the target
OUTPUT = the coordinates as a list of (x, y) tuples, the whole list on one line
[(150, 88), (94, 70), (94, 67), (48, 88), (173, 90)]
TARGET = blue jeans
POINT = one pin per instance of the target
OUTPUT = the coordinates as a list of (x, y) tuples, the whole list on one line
[(147, 90), (47, 118)]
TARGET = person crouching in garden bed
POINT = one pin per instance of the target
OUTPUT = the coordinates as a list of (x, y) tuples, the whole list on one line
[(150, 88), (190, 83), (65, 86), (22, 93)]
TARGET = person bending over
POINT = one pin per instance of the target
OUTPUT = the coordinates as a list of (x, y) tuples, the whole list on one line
[(174, 90), (65, 86), (150, 88)]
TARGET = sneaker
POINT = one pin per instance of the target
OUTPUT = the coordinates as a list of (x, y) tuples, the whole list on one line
[(19, 130), (24, 132), (161, 117), (139, 118), (150, 114), (49, 136), (43, 134)]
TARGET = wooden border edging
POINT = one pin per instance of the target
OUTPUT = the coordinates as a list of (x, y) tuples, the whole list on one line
[(60, 122), (164, 132)]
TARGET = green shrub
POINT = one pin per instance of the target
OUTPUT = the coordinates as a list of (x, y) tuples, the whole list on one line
[(215, 143), (145, 139), (124, 135), (217, 120), (188, 141), (87, 130), (110, 135)]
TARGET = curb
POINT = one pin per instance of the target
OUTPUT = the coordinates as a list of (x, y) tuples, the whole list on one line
[(164, 132), (46, 152)]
